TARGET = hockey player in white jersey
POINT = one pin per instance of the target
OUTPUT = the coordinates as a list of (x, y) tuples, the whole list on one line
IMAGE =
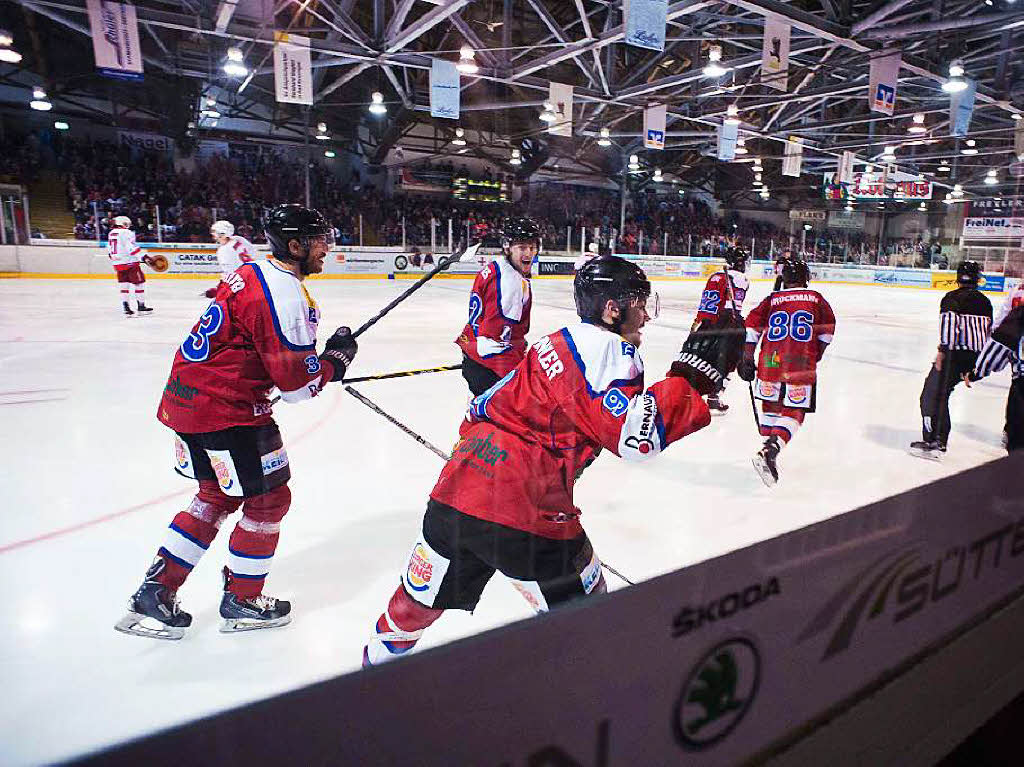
[(232, 250), (125, 256)]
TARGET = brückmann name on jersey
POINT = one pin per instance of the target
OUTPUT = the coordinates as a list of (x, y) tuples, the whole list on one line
[(783, 298), (182, 391)]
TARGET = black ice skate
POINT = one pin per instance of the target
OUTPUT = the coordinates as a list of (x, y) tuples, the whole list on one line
[(127, 309), (143, 309), (764, 461), (716, 406), (259, 612), (929, 450), (153, 611)]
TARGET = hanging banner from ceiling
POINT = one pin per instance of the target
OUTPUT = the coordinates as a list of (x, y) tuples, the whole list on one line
[(654, 127), (885, 71), (445, 93), (727, 141), (560, 96), (792, 160), (846, 168), (645, 23), (961, 108), (775, 55), (293, 73), (887, 185), (1018, 140), (115, 39)]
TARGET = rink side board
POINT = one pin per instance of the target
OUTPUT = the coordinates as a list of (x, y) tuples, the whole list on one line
[(740, 659)]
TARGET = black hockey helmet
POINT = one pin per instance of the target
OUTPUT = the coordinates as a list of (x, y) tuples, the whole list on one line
[(795, 272), (519, 229), (294, 222), (610, 278), (968, 274), (736, 258)]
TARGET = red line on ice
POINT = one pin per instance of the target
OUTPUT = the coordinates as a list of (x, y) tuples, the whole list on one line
[(152, 502)]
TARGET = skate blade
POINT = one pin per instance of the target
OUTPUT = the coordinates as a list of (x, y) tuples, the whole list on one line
[(928, 455), (763, 471), (144, 626), (715, 413), (232, 625)]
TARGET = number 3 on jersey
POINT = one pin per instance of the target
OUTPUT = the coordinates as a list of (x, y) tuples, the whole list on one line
[(799, 326), (197, 346)]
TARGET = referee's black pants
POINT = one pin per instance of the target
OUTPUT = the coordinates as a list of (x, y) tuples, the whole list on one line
[(1015, 416), (939, 384)]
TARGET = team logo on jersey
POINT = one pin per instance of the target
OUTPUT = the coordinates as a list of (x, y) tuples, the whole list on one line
[(642, 446), (419, 571), (717, 694), (773, 360)]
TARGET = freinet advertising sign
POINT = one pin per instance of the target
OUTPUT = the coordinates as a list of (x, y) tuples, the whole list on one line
[(994, 228)]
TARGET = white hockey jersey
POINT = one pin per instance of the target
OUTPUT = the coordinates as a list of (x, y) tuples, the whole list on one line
[(235, 252), (122, 250)]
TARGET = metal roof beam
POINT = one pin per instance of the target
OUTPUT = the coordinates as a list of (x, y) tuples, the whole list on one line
[(426, 22), (878, 14), (902, 31)]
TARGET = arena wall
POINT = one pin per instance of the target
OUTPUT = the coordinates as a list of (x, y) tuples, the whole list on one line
[(881, 636), (87, 259)]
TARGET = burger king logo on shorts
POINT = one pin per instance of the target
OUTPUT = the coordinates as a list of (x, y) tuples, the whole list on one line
[(223, 473), (798, 394), (181, 455), (419, 572)]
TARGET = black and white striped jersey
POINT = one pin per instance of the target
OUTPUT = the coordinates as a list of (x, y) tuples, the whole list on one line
[(965, 320), (1005, 346)]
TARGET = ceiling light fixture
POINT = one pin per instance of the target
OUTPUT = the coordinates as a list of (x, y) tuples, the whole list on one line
[(917, 126), (714, 69), (971, 147), (732, 115), (548, 115), (956, 81), (377, 104), (467, 65), (459, 140), (7, 54), (605, 139)]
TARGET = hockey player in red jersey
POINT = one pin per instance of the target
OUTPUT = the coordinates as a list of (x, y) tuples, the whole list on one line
[(504, 501), (799, 324), (721, 311), (125, 256), (257, 334), (494, 339)]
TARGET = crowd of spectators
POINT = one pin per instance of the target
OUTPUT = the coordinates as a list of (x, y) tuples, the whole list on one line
[(104, 180)]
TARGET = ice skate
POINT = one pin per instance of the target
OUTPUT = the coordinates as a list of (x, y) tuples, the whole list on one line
[(716, 406), (931, 451), (153, 611), (259, 612), (143, 309), (127, 310), (764, 462)]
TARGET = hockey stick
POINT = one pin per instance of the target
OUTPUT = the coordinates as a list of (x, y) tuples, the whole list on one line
[(436, 451), (442, 455), (753, 406), (442, 263), (403, 373)]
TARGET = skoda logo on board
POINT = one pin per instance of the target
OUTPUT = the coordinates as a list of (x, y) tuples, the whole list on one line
[(717, 694)]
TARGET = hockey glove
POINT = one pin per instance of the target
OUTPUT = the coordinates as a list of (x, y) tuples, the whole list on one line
[(340, 351), (696, 362)]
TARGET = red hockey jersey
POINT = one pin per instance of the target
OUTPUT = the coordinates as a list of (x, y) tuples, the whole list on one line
[(716, 295), (797, 324), (527, 438), (499, 317), (258, 333)]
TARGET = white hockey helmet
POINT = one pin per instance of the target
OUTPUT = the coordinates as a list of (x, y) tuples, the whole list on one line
[(123, 221), (222, 228)]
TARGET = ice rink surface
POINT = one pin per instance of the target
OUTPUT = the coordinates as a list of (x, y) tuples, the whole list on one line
[(88, 487)]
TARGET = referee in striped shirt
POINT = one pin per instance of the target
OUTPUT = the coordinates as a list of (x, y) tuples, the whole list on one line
[(965, 321), (1006, 346)]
